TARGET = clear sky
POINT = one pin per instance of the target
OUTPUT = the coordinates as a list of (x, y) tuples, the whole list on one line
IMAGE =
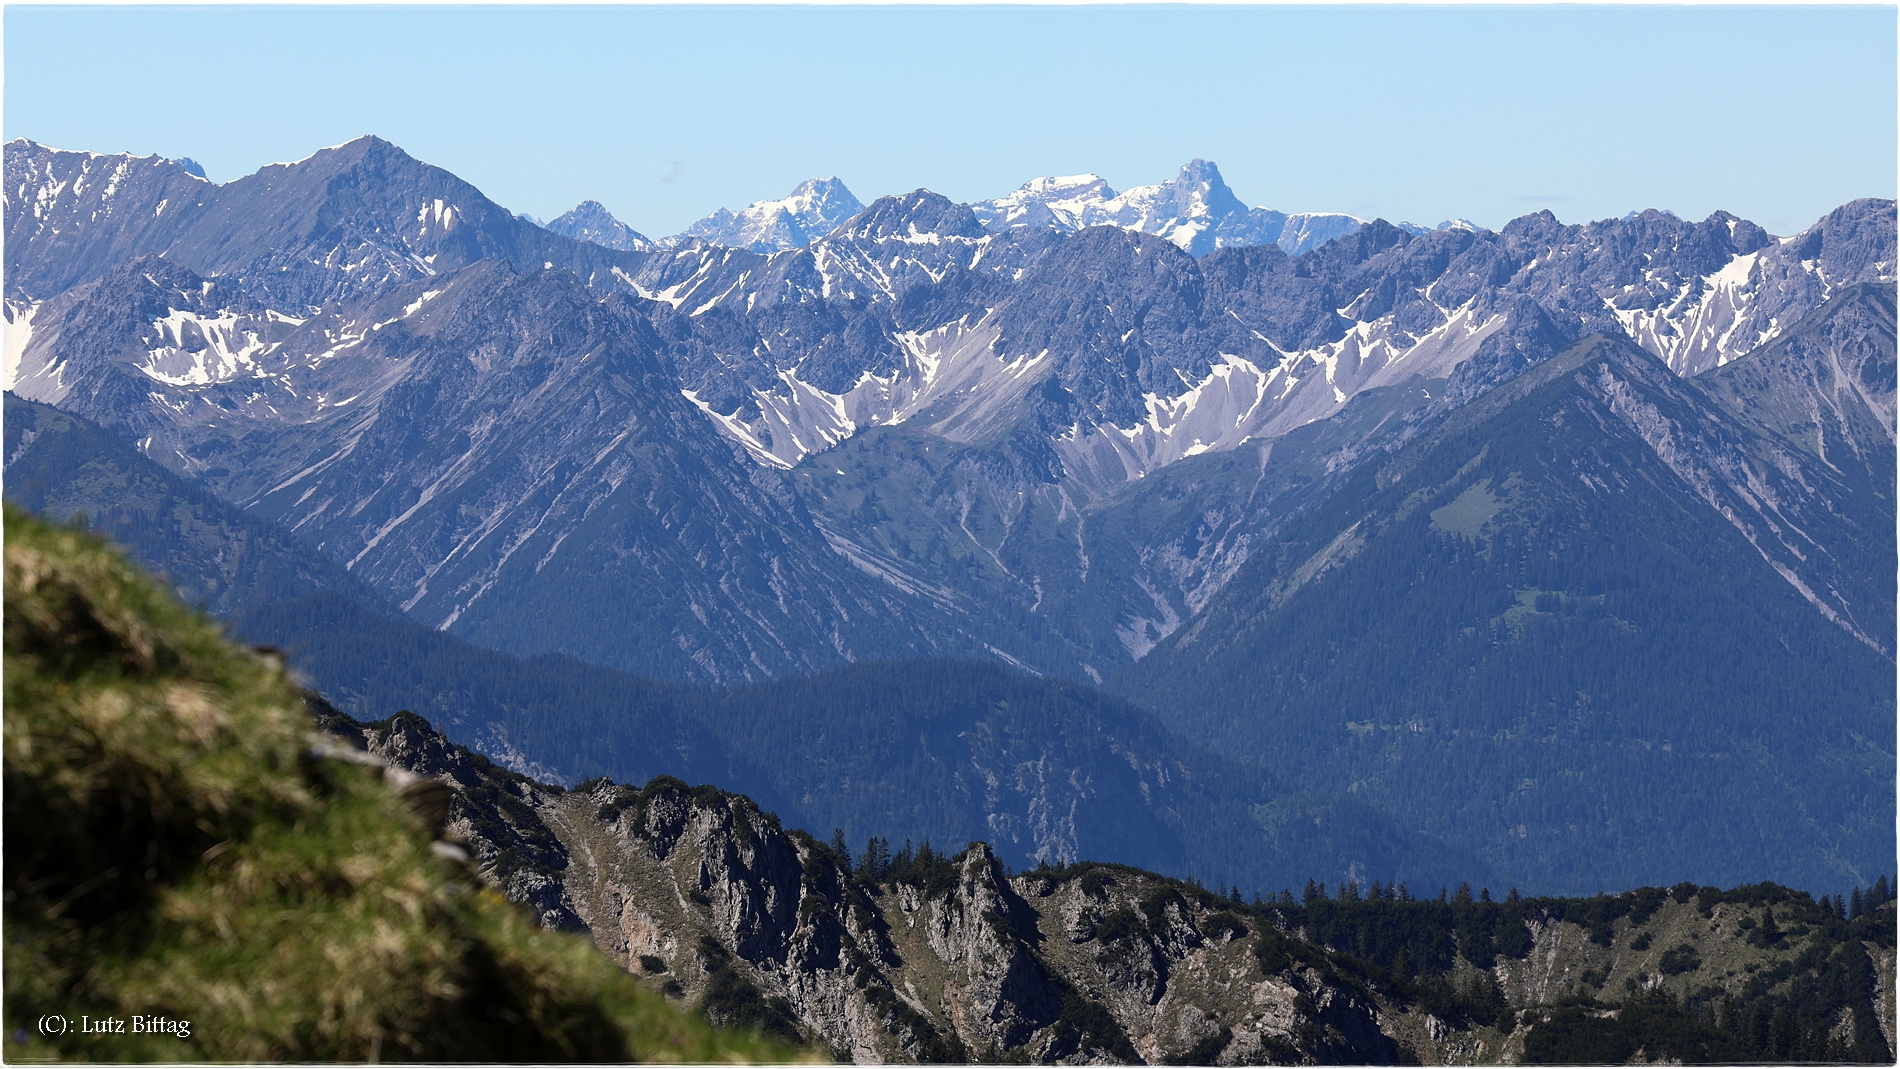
[(666, 113)]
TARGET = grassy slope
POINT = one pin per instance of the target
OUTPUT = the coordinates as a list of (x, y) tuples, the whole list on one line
[(171, 850)]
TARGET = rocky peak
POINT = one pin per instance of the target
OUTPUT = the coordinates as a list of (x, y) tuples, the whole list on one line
[(1198, 191), (591, 221), (813, 209), (920, 214)]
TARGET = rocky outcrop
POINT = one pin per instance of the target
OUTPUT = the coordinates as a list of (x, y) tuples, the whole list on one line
[(926, 958), (493, 813)]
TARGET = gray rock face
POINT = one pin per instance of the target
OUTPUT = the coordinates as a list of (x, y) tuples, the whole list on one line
[(494, 813), (62, 466), (591, 221), (412, 381), (1826, 386), (877, 323), (935, 959), (1061, 368), (73, 215)]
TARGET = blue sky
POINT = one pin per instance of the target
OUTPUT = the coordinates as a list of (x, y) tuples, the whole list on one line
[(666, 113)]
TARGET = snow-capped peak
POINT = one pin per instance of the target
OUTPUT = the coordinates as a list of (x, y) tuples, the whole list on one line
[(1195, 210), (1061, 202), (809, 212)]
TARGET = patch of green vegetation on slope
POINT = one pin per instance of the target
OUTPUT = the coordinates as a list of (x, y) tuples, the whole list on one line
[(173, 851)]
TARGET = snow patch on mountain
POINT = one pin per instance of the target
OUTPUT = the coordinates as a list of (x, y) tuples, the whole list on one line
[(1240, 401), (1707, 324), (1066, 203), (18, 335), (1195, 210), (955, 378), (963, 381), (195, 349)]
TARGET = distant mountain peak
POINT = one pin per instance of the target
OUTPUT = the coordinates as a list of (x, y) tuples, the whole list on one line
[(1195, 210), (814, 192), (591, 221), (814, 208), (1061, 202), (916, 213), (1200, 191)]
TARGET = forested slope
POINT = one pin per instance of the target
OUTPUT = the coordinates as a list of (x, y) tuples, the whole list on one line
[(1546, 629)]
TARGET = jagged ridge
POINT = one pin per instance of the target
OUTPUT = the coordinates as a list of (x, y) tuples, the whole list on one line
[(929, 957)]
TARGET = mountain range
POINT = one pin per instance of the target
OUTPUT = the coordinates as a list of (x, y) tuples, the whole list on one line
[(1195, 210), (1350, 517)]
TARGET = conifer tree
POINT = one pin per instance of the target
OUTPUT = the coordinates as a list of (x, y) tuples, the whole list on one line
[(875, 863), (1781, 1033)]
